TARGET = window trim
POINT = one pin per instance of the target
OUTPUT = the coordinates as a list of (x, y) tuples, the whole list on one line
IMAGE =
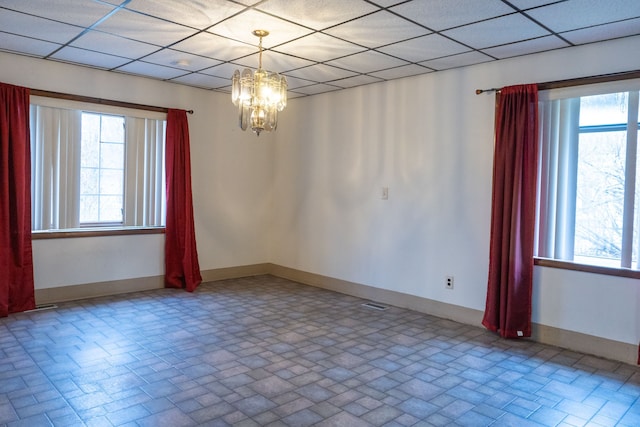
[(103, 107), (567, 265), (102, 231)]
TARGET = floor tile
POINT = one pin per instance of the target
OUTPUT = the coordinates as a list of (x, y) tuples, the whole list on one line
[(265, 351)]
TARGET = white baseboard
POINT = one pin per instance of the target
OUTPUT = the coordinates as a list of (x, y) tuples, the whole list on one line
[(235, 272), (424, 305), (597, 346), (97, 289), (115, 287)]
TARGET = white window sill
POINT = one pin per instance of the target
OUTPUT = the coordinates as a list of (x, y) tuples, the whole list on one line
[(568, 265), (94, 232)]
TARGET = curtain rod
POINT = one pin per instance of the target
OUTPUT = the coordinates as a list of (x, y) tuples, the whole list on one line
[(625, 75), (113, 103)]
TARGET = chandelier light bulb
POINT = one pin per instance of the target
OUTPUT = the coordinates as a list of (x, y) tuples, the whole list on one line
[(258, 95)]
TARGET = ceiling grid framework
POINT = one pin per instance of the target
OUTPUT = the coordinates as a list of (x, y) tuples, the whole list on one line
[(319, 45)]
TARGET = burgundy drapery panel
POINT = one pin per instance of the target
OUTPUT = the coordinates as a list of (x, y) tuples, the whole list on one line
[(508, 304), (182, 269), (16, 260)]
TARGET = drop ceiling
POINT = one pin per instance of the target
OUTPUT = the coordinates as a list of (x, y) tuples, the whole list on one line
[(319, 45)]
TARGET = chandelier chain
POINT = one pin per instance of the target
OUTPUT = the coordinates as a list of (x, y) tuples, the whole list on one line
[(260, 58)]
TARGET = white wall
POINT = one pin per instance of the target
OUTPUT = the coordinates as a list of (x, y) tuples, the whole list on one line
[(430, 140), (231, 178), (308, 196)]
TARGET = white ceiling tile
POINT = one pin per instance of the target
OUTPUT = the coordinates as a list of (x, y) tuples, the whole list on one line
[(528, 4), (629, 27), (143, 28), (182, 60), (371, 38), (327, 72), (461, 60), (224, 70), (424, 48), (441, 14), (400, 72), (151, 70), (387, 3), (315, 89), (293, 82), (368, 61), (526, 47), (113, 45), (498, 31), (274, 61), (13, 43), (241, 27), (319, 47), (39, 28), (575, 14), (363, 30), (77, 12), (193, 13), (317, 14), (202, 80), (213, 46), (356, 81), (87, 57)]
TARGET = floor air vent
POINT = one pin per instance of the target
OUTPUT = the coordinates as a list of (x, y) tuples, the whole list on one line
[(374, 306)]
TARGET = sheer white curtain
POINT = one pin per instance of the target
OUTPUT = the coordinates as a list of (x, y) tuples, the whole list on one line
[(144, 175), (55, 160), (557, 177)]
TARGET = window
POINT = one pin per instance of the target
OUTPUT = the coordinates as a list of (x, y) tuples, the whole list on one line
[(102, 169), (95, 166), (589, 198)]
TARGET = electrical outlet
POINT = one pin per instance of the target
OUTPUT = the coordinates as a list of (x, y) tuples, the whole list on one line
[(448, 282)]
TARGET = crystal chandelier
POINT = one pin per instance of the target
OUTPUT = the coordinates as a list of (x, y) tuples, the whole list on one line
[(259, 96)]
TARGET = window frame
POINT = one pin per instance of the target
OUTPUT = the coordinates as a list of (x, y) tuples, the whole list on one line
[(621, 81), (107, 107)]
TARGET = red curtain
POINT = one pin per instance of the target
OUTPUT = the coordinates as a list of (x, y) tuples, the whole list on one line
[(182, 269), (16, 260), (508, 305)]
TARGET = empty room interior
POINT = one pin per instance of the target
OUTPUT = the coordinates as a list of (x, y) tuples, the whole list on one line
[(346, 257)]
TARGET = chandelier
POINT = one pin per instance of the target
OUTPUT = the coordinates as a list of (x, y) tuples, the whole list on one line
[(259, 95)]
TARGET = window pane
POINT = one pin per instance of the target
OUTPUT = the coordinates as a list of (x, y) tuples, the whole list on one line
[(111, 208), (112, 129), (111, 182), (600, 196), (89, 181), (90, 140), (604, 109), (89, 208), (112, 156)]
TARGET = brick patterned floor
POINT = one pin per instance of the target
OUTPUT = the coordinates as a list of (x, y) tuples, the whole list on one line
[(264, 351)]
